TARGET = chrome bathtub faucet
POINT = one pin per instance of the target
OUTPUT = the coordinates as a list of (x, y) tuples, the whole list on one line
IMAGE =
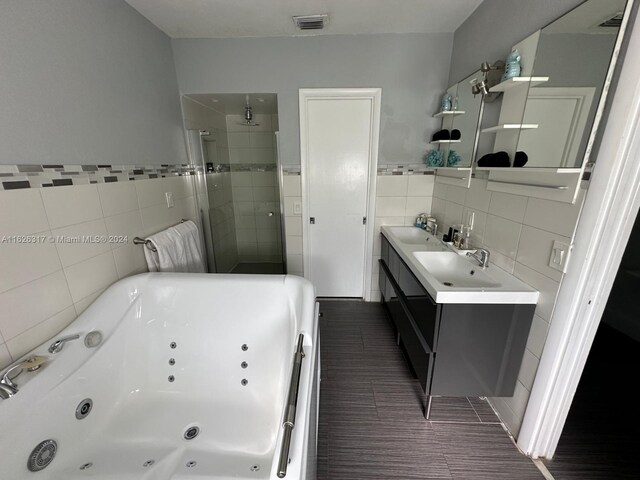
[(56, 346), (481, 256)]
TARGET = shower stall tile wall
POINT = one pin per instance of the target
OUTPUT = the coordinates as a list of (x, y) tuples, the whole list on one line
[(61, 247), (256, 196), (292, 193)]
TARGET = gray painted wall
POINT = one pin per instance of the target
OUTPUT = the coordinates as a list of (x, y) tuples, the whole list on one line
[(412, 71), (495, 26), (86, 82)]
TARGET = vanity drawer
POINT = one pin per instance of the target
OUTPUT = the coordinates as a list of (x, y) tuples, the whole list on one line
[(423, 309)]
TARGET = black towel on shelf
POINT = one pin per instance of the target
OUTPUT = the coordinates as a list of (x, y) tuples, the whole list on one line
[(498, 159), (520, 159), (455, 134), (441, 135)]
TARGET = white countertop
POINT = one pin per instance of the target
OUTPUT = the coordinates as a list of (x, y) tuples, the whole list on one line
[(508, 289)]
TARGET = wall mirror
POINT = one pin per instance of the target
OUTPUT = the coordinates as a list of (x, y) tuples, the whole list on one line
[(575, 53), (457, 152)]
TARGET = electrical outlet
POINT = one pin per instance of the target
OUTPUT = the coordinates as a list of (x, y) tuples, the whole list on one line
[(297, 208), (170, 202), (560, 256)]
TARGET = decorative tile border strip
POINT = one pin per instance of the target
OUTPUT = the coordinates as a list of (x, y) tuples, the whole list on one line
[(36, 176), (417, 169), (291, 169)]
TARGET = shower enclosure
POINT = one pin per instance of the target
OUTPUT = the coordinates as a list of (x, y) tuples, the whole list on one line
[(234, 138)]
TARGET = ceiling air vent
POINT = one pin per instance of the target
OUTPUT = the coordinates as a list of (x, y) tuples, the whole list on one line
[(615, 21), (311, 22)]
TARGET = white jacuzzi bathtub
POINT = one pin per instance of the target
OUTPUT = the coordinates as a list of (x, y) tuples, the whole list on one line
[(136, 427)]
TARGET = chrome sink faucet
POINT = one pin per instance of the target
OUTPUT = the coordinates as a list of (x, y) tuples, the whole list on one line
[(56, 346), (481, 256)]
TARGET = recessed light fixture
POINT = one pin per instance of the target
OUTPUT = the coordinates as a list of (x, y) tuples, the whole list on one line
[(214, 100), (260, 99)]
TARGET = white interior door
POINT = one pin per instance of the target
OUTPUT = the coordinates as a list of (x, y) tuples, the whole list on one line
[(337, 143)]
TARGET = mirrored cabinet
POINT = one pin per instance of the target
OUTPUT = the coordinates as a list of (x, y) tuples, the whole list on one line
[(549, 113)]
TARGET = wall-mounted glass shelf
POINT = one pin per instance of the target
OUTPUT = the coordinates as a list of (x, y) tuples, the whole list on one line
[(451, 113), (510, 126), (518, 82)]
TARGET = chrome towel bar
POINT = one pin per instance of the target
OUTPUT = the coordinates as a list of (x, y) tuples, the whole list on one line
[(290, 412), (148, 243)]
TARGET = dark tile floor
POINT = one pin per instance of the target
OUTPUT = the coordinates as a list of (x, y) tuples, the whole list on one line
[(600, 437), (372, 424)]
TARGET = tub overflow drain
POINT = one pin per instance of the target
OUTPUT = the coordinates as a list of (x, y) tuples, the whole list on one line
[(42, 455), (191, 433), (191, 463), (84, 408), (254, 468)]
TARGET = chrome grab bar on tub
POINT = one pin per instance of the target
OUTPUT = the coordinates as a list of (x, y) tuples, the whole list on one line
[(290, 412), (148, 243)]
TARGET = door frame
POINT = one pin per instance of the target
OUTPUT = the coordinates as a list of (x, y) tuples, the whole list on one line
[(375, 95), (611, 206)]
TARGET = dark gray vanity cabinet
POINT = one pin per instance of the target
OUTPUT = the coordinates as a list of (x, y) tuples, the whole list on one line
[(454, 349)]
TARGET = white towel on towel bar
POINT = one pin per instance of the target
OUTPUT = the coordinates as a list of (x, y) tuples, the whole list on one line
[(178, 249)]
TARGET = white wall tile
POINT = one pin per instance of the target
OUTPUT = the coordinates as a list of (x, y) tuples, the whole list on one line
[(294, 245), (518, 403), (437, 210), (504, 262), (261, 139), (27, 341), (159, 217), (239, 155), (420, 185), (505, 205), (263, 179), (417, 205), (556, 217), (478, 197), (5, 357), (238, 139), (241, 179), (537, 336), (87, 277), (246, 235), (262, 155), (291, 186), (455, 194), (27, 305), (535, 248), (243, 194), (547, 287), (71, 253), (23, 262), (71, 204), (117, 197), (129, 260), (264, 194), (502, 235), (294, 264), (152, 192), (479, 224), (528, 369), (289, 203), (22, 212), (235, 123), (452, 215), (127, 224), (390, 206), (293, 226), (83, 304), (391, 185)]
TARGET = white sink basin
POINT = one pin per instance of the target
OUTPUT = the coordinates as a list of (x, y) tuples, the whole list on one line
[(452, 270), (452, 278), (415, 236)]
